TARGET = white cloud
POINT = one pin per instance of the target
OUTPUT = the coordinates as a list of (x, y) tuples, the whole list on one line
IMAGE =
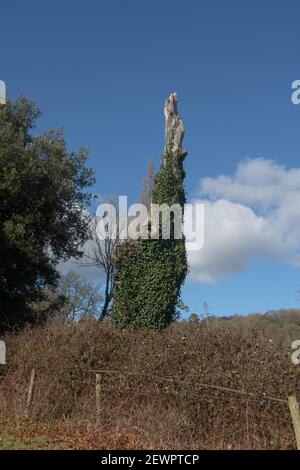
[(255, 213)]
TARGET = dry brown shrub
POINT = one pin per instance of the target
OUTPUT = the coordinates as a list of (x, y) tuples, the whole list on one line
[(158, 399)]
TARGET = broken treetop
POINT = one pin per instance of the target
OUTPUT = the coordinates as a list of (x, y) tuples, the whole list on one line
[(174, 132)]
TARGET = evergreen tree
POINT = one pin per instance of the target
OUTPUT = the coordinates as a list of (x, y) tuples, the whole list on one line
[(42, 202)]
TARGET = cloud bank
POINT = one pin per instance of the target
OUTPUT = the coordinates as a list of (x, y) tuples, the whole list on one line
[(255, 213)]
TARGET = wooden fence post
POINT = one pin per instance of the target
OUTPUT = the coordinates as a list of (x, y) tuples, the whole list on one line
[(98, 397), (295, 412), (30, 392)]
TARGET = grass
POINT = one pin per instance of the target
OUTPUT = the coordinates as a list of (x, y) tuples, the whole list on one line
[(13, 438), (29, 435)]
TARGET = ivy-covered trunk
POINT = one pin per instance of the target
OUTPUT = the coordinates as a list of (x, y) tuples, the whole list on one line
[(150, 272)]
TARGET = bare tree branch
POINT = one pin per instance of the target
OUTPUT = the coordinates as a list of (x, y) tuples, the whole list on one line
[(100, 254)]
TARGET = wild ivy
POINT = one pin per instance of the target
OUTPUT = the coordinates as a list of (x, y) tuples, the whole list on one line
[(150, 273)]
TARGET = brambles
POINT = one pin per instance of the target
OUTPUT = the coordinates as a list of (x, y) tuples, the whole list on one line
[(157, 397)]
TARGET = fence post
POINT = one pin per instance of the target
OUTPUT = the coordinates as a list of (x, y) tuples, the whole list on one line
[(295, 412), (30, 392), (98, 397)]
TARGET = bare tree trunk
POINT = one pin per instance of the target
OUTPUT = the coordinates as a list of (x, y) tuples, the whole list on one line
[(107, 297)]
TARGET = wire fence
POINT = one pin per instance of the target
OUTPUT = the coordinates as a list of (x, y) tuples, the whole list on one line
[(96, 378), (201, 385)]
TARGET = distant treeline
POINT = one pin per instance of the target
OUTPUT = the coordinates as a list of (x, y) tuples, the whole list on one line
[(282, 325)]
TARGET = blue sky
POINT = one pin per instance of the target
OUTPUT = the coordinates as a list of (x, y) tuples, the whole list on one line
[(103, 70)]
